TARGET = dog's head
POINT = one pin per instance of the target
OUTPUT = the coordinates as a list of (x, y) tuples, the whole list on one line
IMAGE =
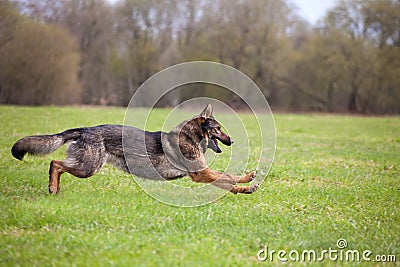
[(212, 130)]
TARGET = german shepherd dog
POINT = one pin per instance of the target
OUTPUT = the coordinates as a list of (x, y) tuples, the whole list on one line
[(152, 155)]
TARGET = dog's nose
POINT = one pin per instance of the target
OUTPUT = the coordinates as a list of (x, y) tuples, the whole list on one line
[(231, 140)]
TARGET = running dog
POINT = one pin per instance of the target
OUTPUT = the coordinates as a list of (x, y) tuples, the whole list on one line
[(152, 155)]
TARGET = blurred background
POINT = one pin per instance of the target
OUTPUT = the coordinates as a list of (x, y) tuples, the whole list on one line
[(97, 52)]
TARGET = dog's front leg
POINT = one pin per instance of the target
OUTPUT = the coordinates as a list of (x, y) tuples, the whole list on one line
[(247, 178), (205, 176), (224, 180), (244, 189)]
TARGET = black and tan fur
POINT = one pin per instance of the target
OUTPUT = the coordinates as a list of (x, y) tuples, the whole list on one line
[(152, 155)]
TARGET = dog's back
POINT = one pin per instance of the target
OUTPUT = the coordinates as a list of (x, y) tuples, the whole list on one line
[(133, 150)]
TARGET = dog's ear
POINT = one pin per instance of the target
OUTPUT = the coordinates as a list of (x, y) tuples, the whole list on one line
[(207, 112)]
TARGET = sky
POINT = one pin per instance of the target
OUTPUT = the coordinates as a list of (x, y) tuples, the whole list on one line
[(313, 10)]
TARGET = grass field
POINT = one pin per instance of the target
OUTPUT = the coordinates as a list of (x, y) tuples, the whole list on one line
[(333, 177)]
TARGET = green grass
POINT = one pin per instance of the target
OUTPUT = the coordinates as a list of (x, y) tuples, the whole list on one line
[(333, 177)]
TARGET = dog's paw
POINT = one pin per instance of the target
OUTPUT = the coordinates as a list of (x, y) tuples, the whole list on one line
[(248, 177), (253, 188), (252, 175), (53, 190)]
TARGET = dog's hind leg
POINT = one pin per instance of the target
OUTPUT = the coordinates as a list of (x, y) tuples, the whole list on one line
[(56, 169), (83, 160)]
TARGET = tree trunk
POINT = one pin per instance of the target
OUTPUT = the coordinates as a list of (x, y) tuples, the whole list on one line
[(353, 100)]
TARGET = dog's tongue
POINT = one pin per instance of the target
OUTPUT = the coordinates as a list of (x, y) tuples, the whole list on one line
[(216, 144)]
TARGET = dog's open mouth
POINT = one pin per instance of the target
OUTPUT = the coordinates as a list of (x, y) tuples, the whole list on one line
[(213, 144), (216, 144)]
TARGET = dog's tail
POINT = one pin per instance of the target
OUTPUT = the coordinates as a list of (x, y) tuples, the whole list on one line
[(43, 144)]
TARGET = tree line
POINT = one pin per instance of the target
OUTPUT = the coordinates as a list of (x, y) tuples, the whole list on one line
[(97, 52)]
